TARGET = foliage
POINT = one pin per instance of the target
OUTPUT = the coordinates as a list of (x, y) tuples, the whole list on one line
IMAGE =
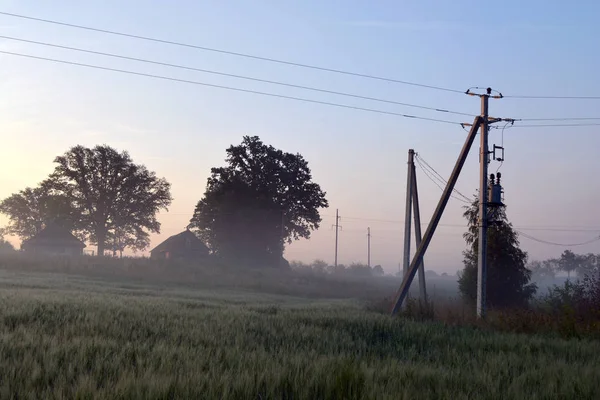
[(508, 279), (98, 340), (580, 298), (570, 262), (262, 199), (116, 200), (543, 270), (33, 208)]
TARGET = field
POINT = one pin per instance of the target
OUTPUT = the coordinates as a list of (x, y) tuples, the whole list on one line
[(68, 335)]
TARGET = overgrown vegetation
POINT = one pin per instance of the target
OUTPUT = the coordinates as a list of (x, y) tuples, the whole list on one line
[(508, 280), (65, 337)]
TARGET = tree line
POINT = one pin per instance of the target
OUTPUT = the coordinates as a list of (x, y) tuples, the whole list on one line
[(261, 200)]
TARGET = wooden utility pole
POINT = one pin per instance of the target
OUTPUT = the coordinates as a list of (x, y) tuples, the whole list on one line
[(418, 237), (437, 215), (412, 206), (406, 260)]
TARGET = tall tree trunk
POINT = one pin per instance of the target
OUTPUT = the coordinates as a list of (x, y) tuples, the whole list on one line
[(101, 236)]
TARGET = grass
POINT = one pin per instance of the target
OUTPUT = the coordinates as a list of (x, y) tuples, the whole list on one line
[(66, 336)]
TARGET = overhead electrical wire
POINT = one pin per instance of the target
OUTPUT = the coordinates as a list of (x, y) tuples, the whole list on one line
[(441, 178), (274, 60), (228, 88), (595, 239), (558, 119), (553, 97), (179, 66), (293, 64), (551, 125), (549, 228)]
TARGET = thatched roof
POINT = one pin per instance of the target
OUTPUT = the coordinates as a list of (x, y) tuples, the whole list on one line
[(185, 241), (54, 235)]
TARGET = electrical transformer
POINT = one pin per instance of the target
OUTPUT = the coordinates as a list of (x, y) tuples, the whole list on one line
[(495, 191)]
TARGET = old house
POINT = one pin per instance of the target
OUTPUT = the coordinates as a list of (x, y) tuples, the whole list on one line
[(184, 245), (55, 240)]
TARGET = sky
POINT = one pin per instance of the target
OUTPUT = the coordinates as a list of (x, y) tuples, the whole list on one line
[(180, 131)]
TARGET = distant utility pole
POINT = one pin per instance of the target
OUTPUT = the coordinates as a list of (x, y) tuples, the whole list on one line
[(337, 227), (369, 247), (481, 121), (282, 237)]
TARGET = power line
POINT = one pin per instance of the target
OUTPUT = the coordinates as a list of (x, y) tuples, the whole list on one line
[(550, 125), (545, 228), (431, 178), (442, 179), (236, 76), (229, 88), (554, 97), (595, 239), (559, 119), (338, 71)]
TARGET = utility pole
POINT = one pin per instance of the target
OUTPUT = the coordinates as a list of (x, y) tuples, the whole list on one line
[(482, 121), (437, 215), (282, 236), (483, 221), (409, 181), (417, 215), (483, 217), (337, 227), (412, 204), (369, 247)]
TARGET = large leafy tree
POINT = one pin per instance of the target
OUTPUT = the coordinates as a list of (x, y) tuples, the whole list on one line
[(116, 200), (261, 200), (33, 208), (508, 279)]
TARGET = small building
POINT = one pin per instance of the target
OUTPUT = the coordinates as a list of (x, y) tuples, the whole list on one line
[(55, 240), (184, 245)]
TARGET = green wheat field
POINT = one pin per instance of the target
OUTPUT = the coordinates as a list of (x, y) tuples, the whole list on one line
[(70, 337)]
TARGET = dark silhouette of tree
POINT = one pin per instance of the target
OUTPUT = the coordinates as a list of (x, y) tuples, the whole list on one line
[(543, 270), (262, 199), (33, 208), (570, 262), (508, 279), (116, 200), (378, 270)]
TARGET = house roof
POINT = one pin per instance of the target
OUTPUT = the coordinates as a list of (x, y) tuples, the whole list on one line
[(177, 242), (54, 235)]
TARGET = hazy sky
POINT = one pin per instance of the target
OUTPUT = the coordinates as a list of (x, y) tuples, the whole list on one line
[(359, 158)]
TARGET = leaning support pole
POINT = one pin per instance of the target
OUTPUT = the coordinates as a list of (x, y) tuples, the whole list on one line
[(437, 215), (418, 237), (409, 190)]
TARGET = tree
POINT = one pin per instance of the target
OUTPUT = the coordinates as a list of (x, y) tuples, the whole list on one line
[(543, 270), (508, 280), (33, 208), (116, 200), (570, 262), (261, 200), (378, 270)]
